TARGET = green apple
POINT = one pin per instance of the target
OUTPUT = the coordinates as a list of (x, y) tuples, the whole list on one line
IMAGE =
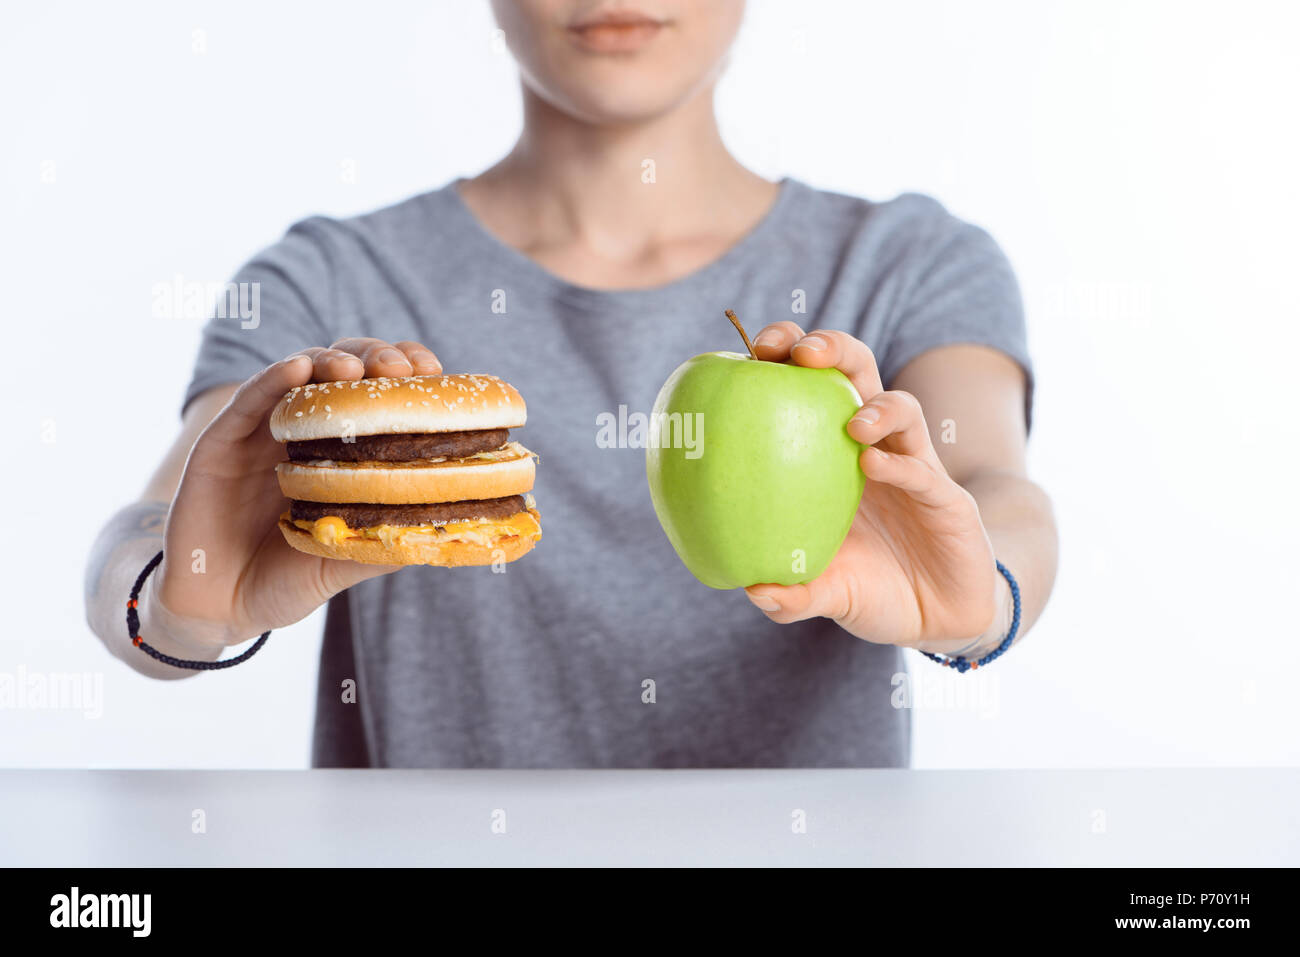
[(751, 471)]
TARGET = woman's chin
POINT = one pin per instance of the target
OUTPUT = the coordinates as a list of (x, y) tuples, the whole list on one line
[(626, 99)]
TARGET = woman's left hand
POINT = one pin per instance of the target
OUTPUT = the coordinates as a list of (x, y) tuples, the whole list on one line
[(917, 568)]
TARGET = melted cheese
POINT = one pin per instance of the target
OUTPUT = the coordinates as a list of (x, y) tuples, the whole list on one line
[(483, 531)]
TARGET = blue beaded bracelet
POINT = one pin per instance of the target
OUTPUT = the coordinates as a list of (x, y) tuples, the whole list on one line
[(960, 662)]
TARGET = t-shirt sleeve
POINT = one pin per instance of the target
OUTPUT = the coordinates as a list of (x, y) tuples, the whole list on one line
[(278, 302), (965, 292)]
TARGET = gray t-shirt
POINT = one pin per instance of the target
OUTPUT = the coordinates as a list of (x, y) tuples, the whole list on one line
[(547, 665)]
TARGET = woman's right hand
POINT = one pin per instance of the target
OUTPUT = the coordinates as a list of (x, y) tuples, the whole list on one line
[(228, 575)]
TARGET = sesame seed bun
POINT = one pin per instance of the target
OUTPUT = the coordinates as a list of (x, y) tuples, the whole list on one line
[(508, 471), (409, 404)]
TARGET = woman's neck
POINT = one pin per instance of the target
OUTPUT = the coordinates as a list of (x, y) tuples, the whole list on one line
[(623, 206)]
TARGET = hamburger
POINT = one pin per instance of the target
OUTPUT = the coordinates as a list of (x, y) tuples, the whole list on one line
[(416, 470)]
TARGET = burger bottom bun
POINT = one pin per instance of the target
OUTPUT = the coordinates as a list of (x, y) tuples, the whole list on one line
[(371, 551)]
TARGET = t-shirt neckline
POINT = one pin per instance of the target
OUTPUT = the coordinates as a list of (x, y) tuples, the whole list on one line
[(540, 278)]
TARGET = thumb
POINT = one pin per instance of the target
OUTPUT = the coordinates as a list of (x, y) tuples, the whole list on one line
[(246, 413), (783, 604)]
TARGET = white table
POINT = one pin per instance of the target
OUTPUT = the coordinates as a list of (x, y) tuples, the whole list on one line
[(1210, 817)]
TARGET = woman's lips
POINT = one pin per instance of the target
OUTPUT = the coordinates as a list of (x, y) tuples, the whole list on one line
[(615, 33)]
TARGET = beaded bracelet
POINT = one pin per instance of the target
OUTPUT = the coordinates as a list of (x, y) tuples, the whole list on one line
[(133, 629), (960, 662)]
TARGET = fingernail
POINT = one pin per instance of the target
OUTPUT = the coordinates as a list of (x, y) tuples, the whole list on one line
[(768, 339), (816, 343), (765, 602), (391, 355), (868, 416)]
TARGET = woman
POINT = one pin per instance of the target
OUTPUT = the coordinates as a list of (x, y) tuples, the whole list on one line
[(583, 268)]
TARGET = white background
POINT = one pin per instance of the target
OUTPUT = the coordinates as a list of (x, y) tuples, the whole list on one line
[(1137, 160)]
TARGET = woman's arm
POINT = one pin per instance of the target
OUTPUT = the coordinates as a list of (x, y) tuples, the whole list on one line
[(973, 398), (132, 537)]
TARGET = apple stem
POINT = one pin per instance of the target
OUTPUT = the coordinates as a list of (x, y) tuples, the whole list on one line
[(741, 329)]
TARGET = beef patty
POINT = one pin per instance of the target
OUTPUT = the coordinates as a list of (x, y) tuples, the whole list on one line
[(400, 448), (363, 516)]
